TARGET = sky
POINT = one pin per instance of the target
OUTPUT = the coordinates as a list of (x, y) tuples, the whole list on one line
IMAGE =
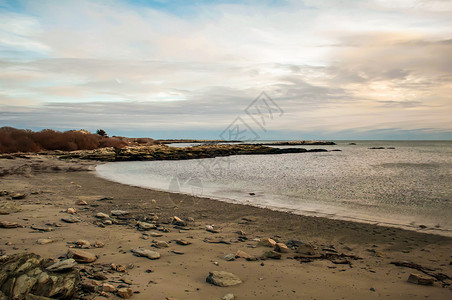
[(281, 69)]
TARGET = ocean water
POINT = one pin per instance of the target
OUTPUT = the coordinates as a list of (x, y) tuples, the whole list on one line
[(408, 186)]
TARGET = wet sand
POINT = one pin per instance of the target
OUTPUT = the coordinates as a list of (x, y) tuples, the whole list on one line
[(52, 186)]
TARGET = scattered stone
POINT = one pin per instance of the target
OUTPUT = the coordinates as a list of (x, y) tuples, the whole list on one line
[(229, 257), (44, 241), (271, 254), (242, 254), (421, 280), (81, 256), (84, 244), (210, 228), (183, 242), (124, 293), (63, 265), (222, 278), (281, 247), (107, 222), (101, 215), (145, 226), (18, 196), (218, 240), (70, 219), (98, 244), (177, 252), (267, 242), (229, 296), (160, 244), (71, 210), (81, 202), (306, 249), (178, 221), (155, 234), (146, 253), (24, 277), (7, 224), (118, 268), (41, 228), (119, 213), (340, 261), (106, 287), (100, 276)]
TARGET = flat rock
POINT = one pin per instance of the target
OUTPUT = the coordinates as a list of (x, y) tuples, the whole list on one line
[(101, 215), (160, 244), (267, 242), (421, 280), (229, 257), (18, 196), (106, 287), (146, 253), (178, 221), (81, 256), (222, 278), (63, 265), (281, 247), (7, 224), (145, 226), (306, 249), (242, 254), (41, 228), (124, 293), (70, 219), (44, 241), (119, 213), (183, 242), (271, 254)]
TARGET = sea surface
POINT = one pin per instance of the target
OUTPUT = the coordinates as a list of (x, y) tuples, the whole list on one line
[(409, 186)]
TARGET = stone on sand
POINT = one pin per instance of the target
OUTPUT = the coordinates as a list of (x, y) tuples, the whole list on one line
[(228, 296), (145, 226), (183, 242), (106, 287), (267, 242), (306, 249), (119, 213), (242, 254), (229, 257), (281, 247), (63, 265), (44, 241), (223, 279), (421, 280), (18, 196), (71, 210), (125, 293), (160, 244), (101, 215), (146, 253), (81, 202), (271, 254), (178, 221), (70, 219), (7, 224), (81, 256)]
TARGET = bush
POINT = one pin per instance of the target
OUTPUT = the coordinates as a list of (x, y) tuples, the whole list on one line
[(19, 140)]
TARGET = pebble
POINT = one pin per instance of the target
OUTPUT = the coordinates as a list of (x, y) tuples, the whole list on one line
[(281, 247), (160, 244), (44, 241), (178, 221), (18, 196)]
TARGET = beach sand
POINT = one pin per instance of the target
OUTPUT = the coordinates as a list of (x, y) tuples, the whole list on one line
[(52, 186)]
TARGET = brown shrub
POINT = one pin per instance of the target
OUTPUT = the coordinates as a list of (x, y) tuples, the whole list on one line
[(112, 142)]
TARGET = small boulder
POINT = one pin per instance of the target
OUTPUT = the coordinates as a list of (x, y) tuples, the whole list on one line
[(71, 210), (7, 224), (81, 202), (81, 256), (146, 253), (229, 257), (18, 196), (119, 213), (421, 280), (228, 296), (222, 278), (267, 242), (282, 248), (109, 288), (271, 254), (178, 221), (160, 244), (70, 219), (306, 249), (145, 226), (125, 293), (242, 254), (183, 242), (101, 215)]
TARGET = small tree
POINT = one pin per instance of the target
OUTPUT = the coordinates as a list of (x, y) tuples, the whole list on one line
[(101, 132)]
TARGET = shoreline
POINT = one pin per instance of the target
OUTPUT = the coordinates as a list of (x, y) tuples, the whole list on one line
[(52, 186)]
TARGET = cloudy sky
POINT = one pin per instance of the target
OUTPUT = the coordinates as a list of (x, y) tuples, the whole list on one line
[(364, 69)]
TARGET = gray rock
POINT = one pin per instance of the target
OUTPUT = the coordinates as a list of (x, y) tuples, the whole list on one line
[(70, 219), (63, 265), (146, 253), (222, 278), (145, 226), (229, 257), (119, 213), (23, 276)]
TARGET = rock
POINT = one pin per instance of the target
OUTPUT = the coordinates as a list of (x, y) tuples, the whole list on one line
[(81, 256), (146, 253), (81, 202), (107, 222), (100, 276), (18, 196), (242, 254), (63, 265), (83, 244), (22, 276), (71, 210), (421, 280), (119, 213), (281, 247), (229, 296), (6, 224), (155, 234), (41, 228), (98, 244), (70, 219), (229, 257), (106, 287), (145, 226), (210, 228), (44, 241), (118, 268), (160, 244), (222, 278), (178, 221), (306, 249), (124, 293), (101, 215), (271, 254), (267, 242), (183, 242)]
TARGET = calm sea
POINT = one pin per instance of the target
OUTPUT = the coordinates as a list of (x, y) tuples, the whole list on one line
[(408, 186)]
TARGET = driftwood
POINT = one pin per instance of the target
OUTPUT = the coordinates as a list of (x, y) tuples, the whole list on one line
[(428, 271)]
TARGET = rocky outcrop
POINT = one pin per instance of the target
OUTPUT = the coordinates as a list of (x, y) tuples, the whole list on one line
[(301, 143), (28, 276), (163, 152)]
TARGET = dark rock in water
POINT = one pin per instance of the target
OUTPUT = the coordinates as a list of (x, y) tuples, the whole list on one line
[(222, 278), (23, 276)]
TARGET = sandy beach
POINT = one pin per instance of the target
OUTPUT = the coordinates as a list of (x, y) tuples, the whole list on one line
[(347, 260)]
